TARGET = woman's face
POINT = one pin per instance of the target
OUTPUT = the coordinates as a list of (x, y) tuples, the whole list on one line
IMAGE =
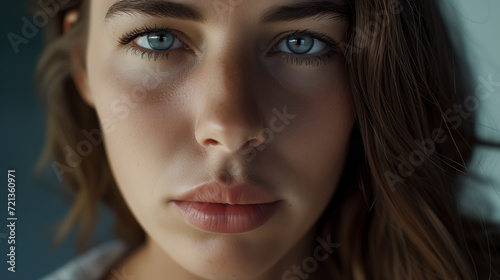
[(249, 95)]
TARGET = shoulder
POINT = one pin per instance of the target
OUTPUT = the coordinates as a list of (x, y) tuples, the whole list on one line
[(91, 265)]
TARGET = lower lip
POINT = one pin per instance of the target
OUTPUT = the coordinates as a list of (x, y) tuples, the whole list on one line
[(225, 218)]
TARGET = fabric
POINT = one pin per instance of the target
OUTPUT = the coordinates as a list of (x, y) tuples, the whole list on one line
[(91, 265)]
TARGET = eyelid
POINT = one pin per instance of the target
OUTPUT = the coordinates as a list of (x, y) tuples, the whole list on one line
[(130, 37)]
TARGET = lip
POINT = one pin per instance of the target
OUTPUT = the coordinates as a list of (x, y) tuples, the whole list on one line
[(233, 209)]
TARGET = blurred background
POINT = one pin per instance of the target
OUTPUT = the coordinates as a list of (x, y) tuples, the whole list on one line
[(39, 204)]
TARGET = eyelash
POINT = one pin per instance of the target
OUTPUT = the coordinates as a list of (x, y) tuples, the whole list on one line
[(313, 60)]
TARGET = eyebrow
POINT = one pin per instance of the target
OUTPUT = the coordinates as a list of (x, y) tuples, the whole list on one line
[(155, 8), (303, 10), (296, 11)]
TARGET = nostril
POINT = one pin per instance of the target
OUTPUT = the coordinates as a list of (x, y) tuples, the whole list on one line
[(211, 142)]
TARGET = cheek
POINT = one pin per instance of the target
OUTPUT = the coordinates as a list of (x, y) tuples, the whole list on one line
[(317, 150), (313, 148), (143, 124)]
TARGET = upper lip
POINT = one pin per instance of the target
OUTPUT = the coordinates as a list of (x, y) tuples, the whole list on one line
[(240, 193)]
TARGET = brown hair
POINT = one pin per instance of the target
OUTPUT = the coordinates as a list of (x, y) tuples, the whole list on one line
[(68, 119), (402, 220)]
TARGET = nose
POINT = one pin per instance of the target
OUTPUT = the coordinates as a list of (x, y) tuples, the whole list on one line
[(229, 117)]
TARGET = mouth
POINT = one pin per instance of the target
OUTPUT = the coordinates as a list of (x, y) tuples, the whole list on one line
[(233, 209), (226, 218)]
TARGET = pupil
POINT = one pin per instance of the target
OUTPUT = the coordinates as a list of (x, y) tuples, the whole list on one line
[(300, 45), (160, 41)]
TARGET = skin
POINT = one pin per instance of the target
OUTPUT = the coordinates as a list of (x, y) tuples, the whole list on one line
[(210, 104)]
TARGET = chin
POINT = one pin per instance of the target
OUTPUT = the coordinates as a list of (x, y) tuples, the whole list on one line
[(224, 257)]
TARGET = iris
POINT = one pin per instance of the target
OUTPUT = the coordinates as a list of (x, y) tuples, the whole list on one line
[(161, 41), (300, 44)]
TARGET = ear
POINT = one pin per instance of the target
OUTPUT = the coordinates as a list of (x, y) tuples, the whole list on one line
[(79, 72)]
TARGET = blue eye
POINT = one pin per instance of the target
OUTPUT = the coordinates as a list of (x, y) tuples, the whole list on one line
[(301, 44), (159, 41)]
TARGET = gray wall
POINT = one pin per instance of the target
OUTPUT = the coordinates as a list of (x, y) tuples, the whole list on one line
[(479, 27)]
